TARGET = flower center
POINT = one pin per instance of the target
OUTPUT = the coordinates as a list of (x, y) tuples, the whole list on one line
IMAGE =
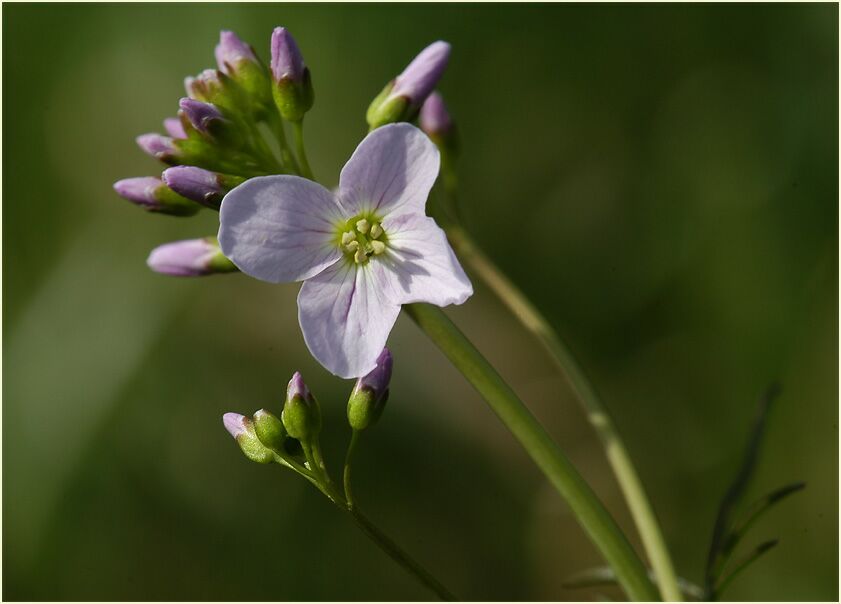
[(362, 238)]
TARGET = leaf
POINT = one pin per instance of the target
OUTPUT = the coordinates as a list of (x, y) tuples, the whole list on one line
[(745, 562), (736, 490)]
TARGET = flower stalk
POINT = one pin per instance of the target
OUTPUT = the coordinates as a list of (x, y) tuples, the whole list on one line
[(589, 511), (597, 414)]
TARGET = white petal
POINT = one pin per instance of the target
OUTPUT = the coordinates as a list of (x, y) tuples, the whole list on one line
[(392, 169), (346, 316), (422, 264), (280, 228)]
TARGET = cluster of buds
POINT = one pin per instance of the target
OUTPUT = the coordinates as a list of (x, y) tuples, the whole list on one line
[(291, 439), (218, 139), (215, 143)]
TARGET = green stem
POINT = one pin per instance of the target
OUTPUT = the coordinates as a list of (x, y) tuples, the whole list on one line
[(300, 149), (285, 153), (346, 474), (617, 455), (399, 556), (591, 514)]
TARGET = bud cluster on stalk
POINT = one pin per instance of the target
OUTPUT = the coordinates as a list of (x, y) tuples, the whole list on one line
[(231, 124), (291, 437), (218, 139)]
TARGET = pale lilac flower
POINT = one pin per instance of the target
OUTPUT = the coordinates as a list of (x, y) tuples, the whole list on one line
[(287, 61), (189, 258), (174, 128), (434, 117), (231, 50), (421, 75), (361, 253)]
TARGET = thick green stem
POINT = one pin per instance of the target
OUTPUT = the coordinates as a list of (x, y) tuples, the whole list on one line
[(617, 455), (589, 511)]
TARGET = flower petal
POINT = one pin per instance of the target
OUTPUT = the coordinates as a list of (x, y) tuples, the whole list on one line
[(393, 168), (346, 317), (422, 265), (280, 228)]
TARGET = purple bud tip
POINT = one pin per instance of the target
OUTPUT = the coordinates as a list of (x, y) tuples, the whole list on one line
[(155, 145), (141, 190), (200, 114), (235, 424), (297, 387), (173, 127), (380, 376), (422, 74), (231, 50), (188, 258), (287, 61), (434, 118), (194, 183)]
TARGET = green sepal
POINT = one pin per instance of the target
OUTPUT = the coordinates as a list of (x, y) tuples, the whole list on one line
[(269, 429), (293, 99), (364, 407), (173, 204), (385, 109), (302, 417)]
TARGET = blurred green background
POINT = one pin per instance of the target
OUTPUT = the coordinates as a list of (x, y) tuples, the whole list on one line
[(661, 180)]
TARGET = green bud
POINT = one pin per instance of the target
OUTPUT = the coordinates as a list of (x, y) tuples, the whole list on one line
[(242, 429), (269, 430), (370, 394), (387, 109), (293, 99), (301, 415)]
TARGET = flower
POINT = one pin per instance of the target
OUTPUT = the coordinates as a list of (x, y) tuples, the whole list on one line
[(361, 253)]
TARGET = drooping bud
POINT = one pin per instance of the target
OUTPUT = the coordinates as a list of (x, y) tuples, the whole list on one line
[(301, 414), (158, 146), (190, 258), (239, 61), (291, 82), (270, 430), (242, 429), (370, 393), (208, 120), (174, 128), (153, 195), (402, 98), (200, 185)]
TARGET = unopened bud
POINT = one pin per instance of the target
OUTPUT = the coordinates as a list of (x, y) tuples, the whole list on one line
[(153, 195), (370, 393), (190, 258), (402, 98), (435, 121), (242, 429), (208, 120), (174, 128), (239, 61), (301, 415), (158, 146), (291, 82), (269, 430), (200, 185)]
